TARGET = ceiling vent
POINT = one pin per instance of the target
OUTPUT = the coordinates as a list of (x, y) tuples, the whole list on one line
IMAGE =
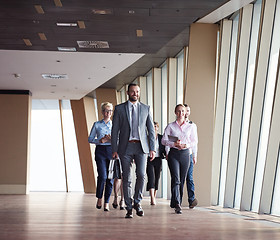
[(54, 76), (93, 44)]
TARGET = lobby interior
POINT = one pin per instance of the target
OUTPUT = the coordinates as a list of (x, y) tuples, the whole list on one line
[(220, 57)]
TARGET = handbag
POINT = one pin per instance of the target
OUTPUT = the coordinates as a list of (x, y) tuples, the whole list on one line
[(115, 169)]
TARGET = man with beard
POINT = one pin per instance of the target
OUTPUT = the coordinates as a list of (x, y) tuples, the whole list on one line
[(133, 137)]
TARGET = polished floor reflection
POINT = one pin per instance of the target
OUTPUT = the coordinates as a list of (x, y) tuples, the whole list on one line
[(69, 216)]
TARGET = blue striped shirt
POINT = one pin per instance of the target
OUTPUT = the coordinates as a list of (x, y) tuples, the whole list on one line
[(98, 131)]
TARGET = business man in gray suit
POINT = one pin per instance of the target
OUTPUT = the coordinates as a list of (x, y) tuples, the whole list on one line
[(132, 138)]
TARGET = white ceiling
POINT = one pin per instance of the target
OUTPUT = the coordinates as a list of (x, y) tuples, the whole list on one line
[(86, 71)]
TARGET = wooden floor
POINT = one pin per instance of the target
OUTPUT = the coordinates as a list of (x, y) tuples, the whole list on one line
[(41, 216)]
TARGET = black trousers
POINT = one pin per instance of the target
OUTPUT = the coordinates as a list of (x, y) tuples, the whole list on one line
[(153, 172), (178, 163)]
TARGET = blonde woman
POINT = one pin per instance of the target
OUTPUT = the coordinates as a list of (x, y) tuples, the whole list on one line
[(100, 135)]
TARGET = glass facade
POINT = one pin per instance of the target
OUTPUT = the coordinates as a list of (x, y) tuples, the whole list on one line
[(252, 173), (48, 167)]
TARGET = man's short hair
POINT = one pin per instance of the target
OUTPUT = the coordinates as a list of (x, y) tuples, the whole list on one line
[(132, 84)]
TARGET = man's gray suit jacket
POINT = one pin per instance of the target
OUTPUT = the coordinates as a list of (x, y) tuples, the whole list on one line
[(121, 128)]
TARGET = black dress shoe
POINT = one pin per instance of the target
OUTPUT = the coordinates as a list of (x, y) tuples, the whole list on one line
[(106, 209), (178, 209), (193, 203), (98, 207), (122, 205), (114, 205), (139, 209), (129, 214)]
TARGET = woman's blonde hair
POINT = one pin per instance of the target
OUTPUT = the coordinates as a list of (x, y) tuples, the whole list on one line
[(106, 104)]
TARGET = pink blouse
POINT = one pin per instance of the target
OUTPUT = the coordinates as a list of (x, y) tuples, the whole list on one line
[(186, 133)]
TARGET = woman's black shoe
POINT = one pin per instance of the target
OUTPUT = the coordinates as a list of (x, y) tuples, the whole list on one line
[(122, 205), (114, 205), (98, 207), (178, 209)]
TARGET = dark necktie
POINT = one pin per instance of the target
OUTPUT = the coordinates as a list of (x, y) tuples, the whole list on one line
[(134, 122)]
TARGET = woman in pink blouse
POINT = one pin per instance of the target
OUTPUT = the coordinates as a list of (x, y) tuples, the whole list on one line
[(179, 136)]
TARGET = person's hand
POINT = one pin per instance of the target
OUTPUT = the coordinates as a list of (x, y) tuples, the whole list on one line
[(115, 155), (106, 138), (179, 145), (152, 155), (194, 160)]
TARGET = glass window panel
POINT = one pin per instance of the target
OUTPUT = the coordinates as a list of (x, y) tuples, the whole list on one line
[(275, 208), (150, 90), (123, 95), (164, 177), (46, 152), (229, 97), (73, 167), (247, 101), (180, 78), (164, 117), (267, 109)]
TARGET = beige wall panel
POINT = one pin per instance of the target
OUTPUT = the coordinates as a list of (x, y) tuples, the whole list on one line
[(143, 89), (200, 95), (14, 143), (91, 114), (105, 95), (85, 154)]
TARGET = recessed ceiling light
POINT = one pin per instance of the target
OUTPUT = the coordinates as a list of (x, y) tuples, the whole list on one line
[(67, 49), (131, 11), (42, 36), (58, 3), (54, 76), (139, 33), (39, 9), (81, 24), (102, 11), (66, 24), (27, 42)]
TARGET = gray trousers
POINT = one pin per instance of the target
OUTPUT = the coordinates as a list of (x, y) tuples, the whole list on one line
[(133, 152)]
